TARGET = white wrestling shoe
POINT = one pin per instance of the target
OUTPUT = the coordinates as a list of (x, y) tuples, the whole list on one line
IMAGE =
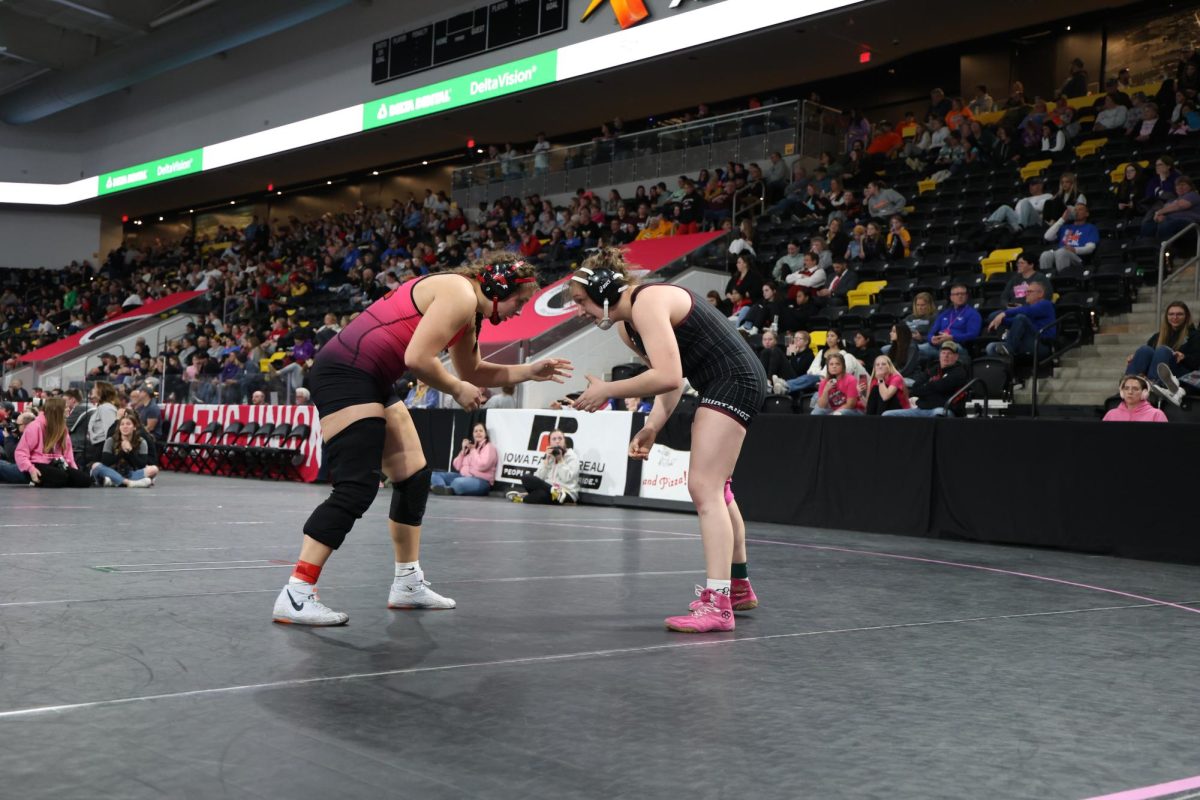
[(298, 604), (409, 595)]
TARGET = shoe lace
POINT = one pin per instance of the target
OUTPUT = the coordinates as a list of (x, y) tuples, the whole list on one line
[(705, 604)]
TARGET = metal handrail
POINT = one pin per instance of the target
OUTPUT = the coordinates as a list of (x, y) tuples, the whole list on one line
[(1037, 340), (802, 124), (954, 397), (646, 155), (759, 200), (1162, 259), (678, 127), (88, 358)]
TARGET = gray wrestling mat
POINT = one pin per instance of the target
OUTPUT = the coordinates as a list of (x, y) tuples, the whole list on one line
[(139, 660)]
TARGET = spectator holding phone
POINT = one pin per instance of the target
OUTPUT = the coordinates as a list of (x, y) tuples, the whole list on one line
[(556, 479), (474, 467), (837, 393)]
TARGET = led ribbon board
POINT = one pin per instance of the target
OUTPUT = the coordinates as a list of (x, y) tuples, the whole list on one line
[(515, 76), (655, 38)]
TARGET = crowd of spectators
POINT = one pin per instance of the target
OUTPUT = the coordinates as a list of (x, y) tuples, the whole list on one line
[(58, 440), (277, 291)]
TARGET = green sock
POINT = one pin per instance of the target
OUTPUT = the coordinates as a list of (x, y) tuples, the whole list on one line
[(739, 571)]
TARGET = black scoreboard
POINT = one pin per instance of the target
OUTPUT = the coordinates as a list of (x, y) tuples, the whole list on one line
[(470, 33)]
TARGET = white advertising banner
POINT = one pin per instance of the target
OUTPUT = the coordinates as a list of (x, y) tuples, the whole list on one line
[(600, 440), (665, 474)]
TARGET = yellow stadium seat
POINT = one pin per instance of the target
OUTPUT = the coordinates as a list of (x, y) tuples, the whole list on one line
[(999, 261), (816, 340), (1148, 89), (990, 118), (1118, 174), (926, 186), (862, 294), (1085, 149), (993, 268), (1034, 168)]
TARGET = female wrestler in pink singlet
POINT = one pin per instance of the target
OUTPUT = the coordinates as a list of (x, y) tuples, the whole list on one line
[(368, 433)]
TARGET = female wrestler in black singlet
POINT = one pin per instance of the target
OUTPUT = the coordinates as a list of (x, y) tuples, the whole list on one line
[(679, 335)]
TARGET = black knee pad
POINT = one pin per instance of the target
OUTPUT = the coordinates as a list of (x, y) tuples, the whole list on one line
[(409, 497), (354, 458)]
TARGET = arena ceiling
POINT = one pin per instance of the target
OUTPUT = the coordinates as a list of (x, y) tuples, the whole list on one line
[(70, 34)]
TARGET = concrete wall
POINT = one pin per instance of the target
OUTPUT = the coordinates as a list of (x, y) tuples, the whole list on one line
[(30, 239)]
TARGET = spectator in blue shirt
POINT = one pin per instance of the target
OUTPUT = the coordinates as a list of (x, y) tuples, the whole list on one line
[(395, 249), (959, 323), (351, 259), (1023, 323), (1075, 240)]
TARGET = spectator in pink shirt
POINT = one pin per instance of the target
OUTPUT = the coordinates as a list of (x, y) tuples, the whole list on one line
[(838, 393), (1135, 403), (887, 389), (45, 453), (474, 467)]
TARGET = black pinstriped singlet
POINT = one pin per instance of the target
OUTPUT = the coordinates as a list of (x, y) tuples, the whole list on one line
[(715, 358)]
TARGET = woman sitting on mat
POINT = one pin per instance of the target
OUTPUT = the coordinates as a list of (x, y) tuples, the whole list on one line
[(557, 477), (474, 467), (366, 427), (681, 336), (45, 453), (124, 460)]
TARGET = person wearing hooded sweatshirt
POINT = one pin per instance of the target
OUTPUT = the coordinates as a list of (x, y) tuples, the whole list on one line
[(1135, 405)]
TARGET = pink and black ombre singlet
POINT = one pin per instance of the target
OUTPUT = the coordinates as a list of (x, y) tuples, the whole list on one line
[(375, 341)]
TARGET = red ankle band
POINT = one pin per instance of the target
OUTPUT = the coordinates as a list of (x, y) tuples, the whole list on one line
[(306, 572)]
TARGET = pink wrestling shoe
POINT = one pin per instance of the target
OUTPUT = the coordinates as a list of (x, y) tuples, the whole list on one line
[(712, 612), (742, 596)]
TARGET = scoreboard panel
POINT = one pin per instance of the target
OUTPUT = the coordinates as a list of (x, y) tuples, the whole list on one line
[(470, 33)]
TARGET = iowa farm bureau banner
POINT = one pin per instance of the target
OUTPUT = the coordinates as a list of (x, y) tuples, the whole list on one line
[(521, 437), (601, 440)]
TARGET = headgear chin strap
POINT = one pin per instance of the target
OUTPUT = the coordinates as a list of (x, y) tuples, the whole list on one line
[(606, 323)]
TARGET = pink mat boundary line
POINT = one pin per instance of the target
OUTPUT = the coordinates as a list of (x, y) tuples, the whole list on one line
[(1158, 790)]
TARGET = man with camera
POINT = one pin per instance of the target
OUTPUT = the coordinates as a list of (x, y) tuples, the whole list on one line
[(10, 436), (556, 479)]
